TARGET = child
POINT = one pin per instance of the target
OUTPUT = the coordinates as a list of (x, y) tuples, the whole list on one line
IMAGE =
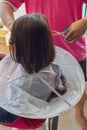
[(31, 48)]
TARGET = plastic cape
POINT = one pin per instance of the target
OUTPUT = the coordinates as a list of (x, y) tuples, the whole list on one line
[(16, 87)]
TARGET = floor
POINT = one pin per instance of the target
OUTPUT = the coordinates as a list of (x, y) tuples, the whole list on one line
[(68, 122)]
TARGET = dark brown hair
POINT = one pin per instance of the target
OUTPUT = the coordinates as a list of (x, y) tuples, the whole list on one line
[(31, 42)]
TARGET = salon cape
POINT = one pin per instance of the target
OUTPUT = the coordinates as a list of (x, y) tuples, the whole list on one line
[(16, 88)]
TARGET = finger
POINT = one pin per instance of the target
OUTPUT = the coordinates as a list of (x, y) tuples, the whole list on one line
[(69, 35), (71, 38), (72, 41)]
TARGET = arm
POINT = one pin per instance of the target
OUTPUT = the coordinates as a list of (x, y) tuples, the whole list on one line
[(6, 14), (76, 30)]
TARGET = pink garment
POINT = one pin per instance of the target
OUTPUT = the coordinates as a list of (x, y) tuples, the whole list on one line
[(60, 15)]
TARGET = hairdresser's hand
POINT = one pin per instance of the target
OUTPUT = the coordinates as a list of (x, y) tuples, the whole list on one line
[(76, 30)]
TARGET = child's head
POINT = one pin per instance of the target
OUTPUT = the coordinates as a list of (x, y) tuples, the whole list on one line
[(31, 42)]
